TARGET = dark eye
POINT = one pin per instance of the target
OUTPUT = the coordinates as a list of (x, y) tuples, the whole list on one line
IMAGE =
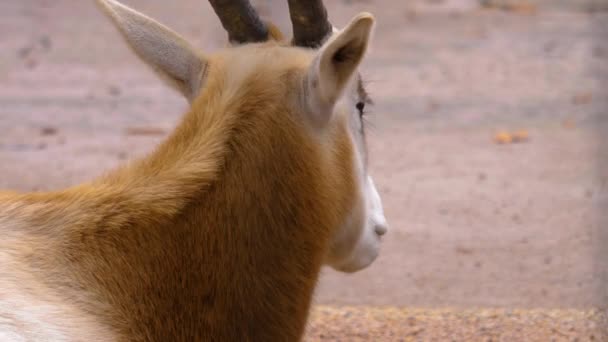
[(361, 107)]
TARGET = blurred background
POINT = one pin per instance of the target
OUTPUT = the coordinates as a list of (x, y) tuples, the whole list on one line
[(488, 142)]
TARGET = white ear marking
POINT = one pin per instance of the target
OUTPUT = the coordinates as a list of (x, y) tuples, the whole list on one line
[(172, 57)]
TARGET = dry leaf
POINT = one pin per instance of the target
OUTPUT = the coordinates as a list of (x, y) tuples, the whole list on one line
[(503, 138), (520, 136)]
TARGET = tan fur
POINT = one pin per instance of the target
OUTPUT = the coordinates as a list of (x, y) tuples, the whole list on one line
[(274, 33), (218, 235), (240, 185)]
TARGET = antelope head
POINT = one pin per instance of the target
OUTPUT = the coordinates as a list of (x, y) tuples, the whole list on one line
[(315, 76)]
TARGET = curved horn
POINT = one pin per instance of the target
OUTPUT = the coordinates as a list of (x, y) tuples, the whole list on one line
[(310, 24), (240, 20)]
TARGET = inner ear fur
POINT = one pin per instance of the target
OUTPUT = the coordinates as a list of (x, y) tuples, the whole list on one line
[(335, 64), (169, 55)]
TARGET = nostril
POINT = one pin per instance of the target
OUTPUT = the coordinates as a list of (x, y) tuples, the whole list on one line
[(380, 229)]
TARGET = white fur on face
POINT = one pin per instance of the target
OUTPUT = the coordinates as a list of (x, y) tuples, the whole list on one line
[(376, 215), (356, 245), (366, 248)]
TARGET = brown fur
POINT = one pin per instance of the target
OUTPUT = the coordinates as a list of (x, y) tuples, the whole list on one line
[(219, 235)]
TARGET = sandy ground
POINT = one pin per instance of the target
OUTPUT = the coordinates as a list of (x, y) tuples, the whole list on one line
[(388, 324), (473, 223)]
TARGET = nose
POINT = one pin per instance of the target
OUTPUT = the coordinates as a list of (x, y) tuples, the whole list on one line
[(381, 229)]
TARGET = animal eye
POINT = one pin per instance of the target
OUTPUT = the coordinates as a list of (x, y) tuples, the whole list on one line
[(361, 107)]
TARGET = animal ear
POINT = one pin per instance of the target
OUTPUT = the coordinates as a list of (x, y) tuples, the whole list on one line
[(165, 51), (335, 63)]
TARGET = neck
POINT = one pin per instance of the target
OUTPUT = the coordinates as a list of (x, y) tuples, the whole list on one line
[(221, 224)]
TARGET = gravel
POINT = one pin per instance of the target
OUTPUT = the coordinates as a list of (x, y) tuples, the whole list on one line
[(363, 323)]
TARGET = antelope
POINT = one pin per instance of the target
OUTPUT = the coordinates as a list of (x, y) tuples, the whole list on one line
[(221, 232)]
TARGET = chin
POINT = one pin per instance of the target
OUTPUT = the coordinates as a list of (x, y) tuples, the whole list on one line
[(356, 263)]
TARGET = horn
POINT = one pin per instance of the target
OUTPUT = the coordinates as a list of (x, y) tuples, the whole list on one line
[(240, 20), (309, 21)]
